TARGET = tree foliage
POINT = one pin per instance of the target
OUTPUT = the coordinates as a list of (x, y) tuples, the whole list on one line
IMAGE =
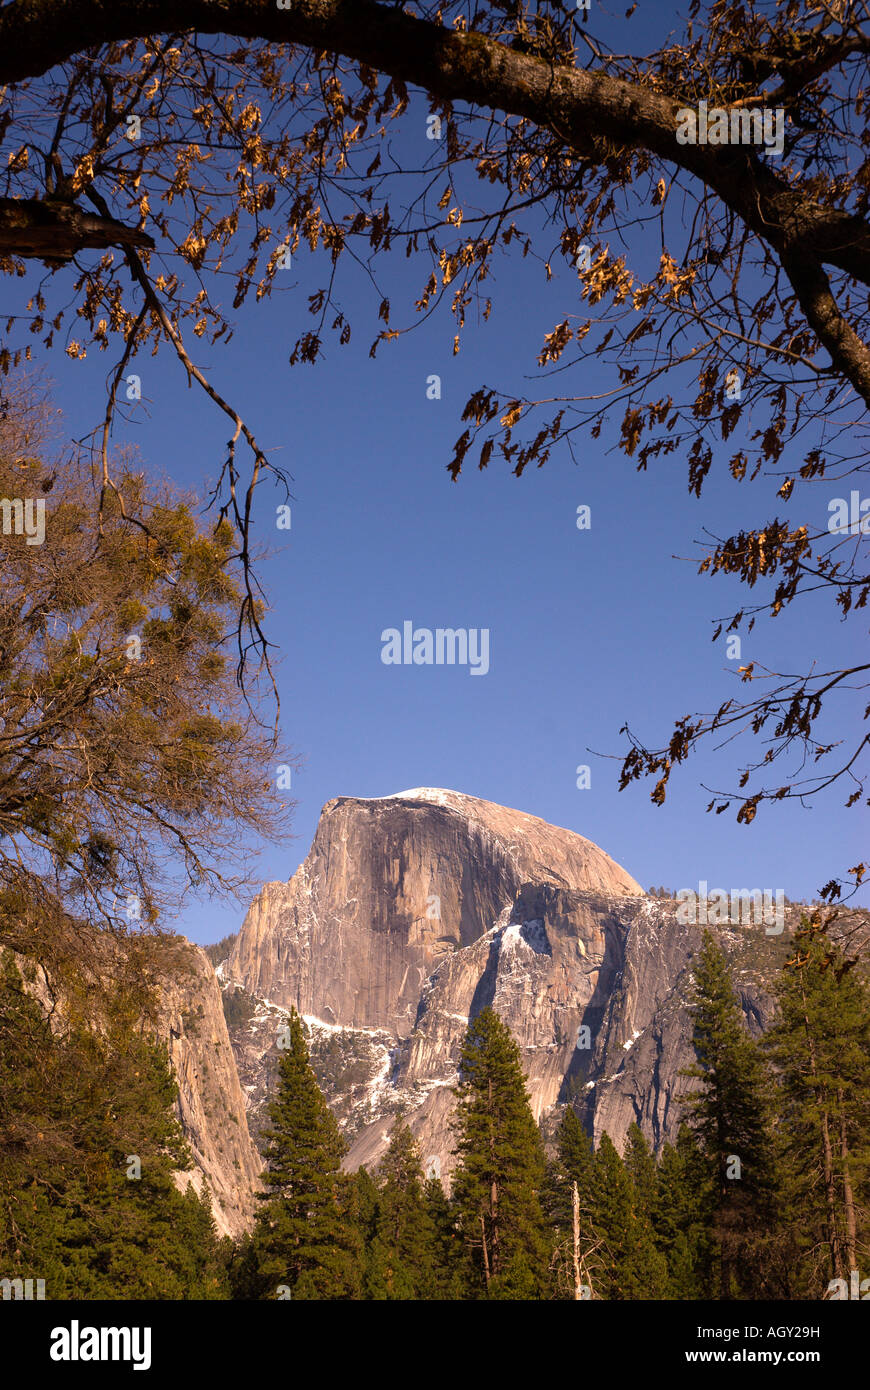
[(403, 1255), (131, 768), (501, 1171), (820, 1048), (730, 1114), (305, 1239), (195, 146), (80, 1099)]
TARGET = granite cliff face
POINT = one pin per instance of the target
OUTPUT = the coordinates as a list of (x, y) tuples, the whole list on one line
[(211, 1105), (390, 889)]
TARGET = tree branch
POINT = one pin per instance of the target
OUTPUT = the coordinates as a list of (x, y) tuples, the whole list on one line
[(54, 230), (35, 35)]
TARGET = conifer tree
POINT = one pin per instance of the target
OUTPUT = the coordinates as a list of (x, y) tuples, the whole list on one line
[(631, 1267), (88, 1151), (640, 1165), (404, 1243), (364, 1205), (684, 1217), (501, 1167), (730, 1114), (448, 1262), (568, 1202), (304, 1238), (574, 1149), (820, 1046)]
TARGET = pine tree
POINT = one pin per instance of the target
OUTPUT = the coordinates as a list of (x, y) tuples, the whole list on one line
[(404, 1244), (730, 1114), (304, 1237), (448, 1262), (820, 1046), (631, 1266), (640, 1165), (501, 1167), (684, 1217), (76, 1108), (364, 1207), (568, 1202)]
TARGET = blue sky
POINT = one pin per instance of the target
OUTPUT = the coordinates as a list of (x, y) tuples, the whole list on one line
[(588, 629)]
